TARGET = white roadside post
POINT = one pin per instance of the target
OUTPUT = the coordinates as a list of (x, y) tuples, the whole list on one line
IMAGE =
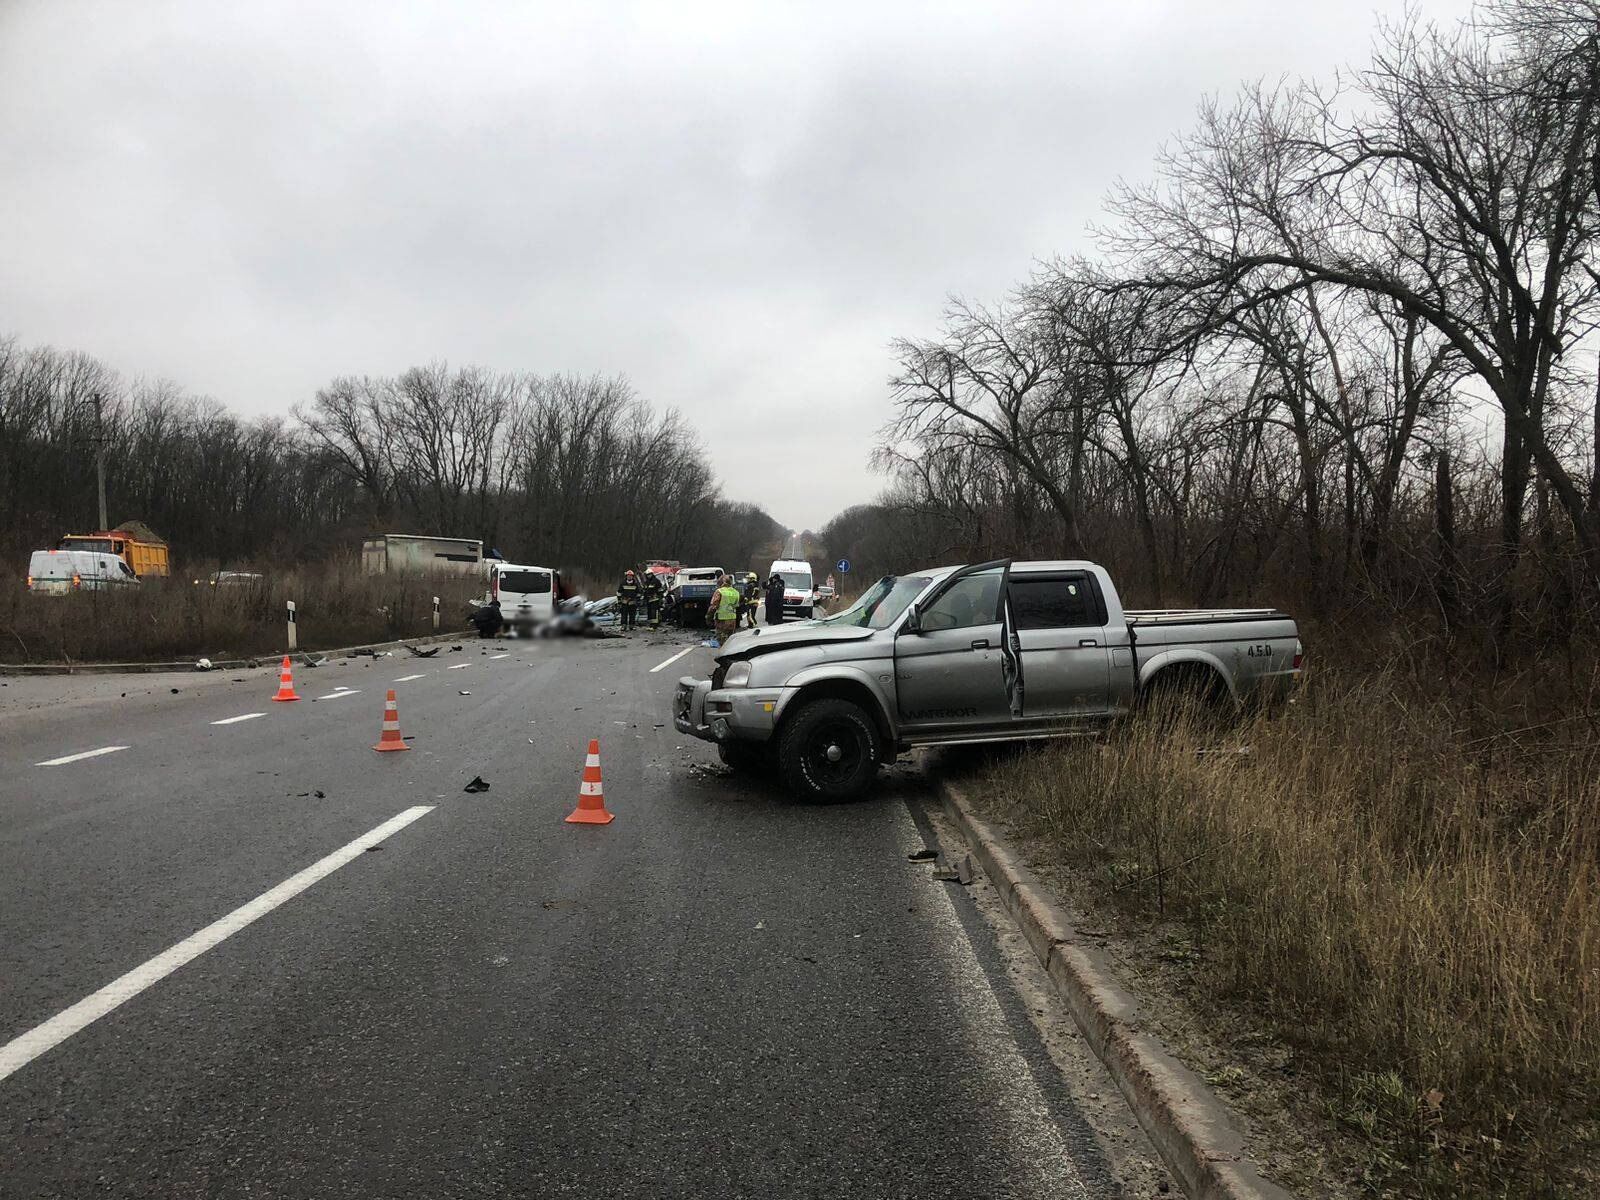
[(294, 641), (436, 614)]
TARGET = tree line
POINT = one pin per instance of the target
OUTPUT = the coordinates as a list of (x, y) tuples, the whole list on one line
[(579, 472), (1340, 349)]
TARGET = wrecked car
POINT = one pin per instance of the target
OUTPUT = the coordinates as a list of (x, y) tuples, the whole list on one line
[(999, 651)]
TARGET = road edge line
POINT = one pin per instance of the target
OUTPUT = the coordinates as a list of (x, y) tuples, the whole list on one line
[(221, 664), (1197, 1136)]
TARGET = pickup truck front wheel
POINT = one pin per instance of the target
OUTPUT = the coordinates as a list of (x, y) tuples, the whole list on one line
[(829, 750), (745, 758)]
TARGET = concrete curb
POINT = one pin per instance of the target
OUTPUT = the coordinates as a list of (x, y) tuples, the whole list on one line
[(217, 664), (1195, 1134)]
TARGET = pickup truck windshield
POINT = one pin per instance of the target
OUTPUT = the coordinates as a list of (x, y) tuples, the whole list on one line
[(881, 603)]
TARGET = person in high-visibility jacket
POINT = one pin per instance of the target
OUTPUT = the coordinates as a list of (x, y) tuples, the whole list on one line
[(629, 594), (724, 609)]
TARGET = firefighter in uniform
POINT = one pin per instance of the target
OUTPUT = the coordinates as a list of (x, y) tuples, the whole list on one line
[(652, 598), (751, 592), (629, 592)]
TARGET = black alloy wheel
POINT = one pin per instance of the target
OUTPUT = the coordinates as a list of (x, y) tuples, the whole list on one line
[(829, 750)]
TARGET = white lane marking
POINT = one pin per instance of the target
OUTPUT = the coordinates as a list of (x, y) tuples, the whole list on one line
[(343, 691), (670, 661), (20, 1051), (240, 717), (492, 657), (69, 758), (409, 678), (460, 666)]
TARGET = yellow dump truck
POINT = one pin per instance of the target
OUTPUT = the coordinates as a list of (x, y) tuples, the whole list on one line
[(146, 557)]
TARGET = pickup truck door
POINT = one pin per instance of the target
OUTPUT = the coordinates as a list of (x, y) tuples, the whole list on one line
[(1059, 630), (1011, 657), (950, 668)]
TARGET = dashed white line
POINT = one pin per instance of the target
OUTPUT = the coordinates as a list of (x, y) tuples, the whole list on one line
[(409, 678), (72, 758), (344, 691), (240, 717), (670, 661), (460, 666), (492, 657), (20, 1051)]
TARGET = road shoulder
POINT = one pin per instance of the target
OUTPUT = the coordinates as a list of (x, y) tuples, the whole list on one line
[(1096, 1107), (1201, 1139)]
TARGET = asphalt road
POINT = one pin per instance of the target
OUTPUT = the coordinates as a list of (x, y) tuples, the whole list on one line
[(722, 993)]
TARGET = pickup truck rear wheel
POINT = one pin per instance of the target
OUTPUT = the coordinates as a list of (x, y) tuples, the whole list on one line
[(1184, 693), (829, 750)]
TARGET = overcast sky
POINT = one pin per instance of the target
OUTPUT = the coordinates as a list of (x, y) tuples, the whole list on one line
[(737, 206)]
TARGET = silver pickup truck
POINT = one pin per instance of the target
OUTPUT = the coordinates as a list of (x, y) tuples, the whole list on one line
[(999, 651)]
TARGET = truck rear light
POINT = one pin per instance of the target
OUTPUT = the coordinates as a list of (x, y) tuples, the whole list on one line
[(1299, 657), (30, 581)]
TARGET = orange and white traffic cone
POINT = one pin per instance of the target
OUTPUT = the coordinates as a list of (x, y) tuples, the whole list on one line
[(591, 808), (390, 739), (285, 682)]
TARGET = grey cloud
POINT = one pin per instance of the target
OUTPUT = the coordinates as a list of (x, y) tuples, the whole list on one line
[(737, 206)]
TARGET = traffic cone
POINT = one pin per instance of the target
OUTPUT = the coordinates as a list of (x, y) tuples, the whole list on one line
[(591, 808), (286, 682), (390, 738)]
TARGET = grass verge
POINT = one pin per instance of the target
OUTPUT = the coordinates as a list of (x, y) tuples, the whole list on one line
[(1409, 901), (173, 619)]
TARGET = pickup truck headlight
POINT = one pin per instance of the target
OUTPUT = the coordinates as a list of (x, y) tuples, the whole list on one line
[(738, 675)]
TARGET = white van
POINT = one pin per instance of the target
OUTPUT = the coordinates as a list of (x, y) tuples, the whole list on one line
[(799, 593), (57, 572), (527, 594)]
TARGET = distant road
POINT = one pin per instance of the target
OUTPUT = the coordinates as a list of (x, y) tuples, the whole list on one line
[(339, 975)]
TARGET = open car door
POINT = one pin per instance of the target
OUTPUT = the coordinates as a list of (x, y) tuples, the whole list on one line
[(950, 653), (1011, 654)]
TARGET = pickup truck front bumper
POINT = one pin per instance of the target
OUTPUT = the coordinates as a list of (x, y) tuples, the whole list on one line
[(725, 715)]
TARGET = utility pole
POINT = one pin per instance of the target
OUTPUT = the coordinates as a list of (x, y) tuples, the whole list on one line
[(100, 455)]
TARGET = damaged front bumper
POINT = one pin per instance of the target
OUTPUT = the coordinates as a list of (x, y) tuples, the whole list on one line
[(725, 714)]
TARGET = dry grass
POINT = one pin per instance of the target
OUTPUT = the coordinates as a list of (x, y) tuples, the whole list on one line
[(1410, 899), (175, 619)]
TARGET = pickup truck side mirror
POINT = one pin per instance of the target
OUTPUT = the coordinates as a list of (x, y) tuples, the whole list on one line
[(913, 621)]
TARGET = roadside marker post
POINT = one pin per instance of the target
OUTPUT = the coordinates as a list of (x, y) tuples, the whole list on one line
[(436, 614), (294, 639)]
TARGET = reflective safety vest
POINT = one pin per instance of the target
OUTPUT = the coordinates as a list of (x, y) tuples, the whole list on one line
[(727, 604)]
